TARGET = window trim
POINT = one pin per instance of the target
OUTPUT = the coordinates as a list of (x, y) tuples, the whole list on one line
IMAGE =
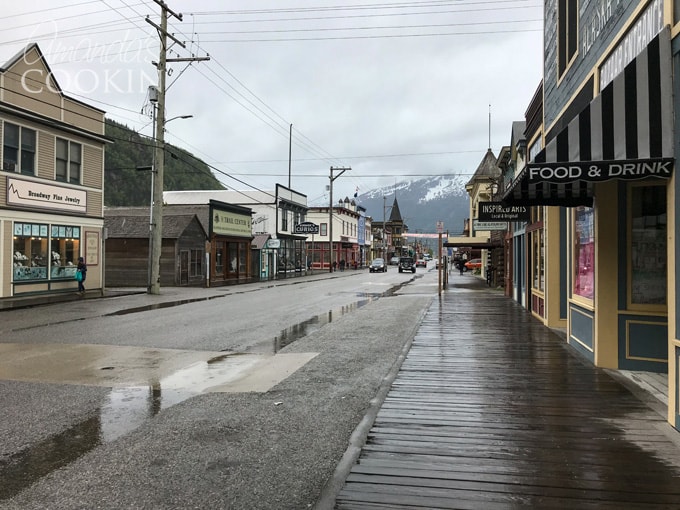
[(20, 150)]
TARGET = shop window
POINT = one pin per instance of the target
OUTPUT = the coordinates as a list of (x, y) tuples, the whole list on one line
[(233, 257), (648, 244), (196, 263), (538, 259), (64, 251), (242, 258), (18, 149), (68, 161), (567, 33), (219, 259), (584, 252), (30, 256)]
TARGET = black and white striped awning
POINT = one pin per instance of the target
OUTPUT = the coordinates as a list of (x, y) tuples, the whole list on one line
[(624, 133)]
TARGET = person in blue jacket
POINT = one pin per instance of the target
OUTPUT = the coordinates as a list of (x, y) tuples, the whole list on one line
[(82, 268)]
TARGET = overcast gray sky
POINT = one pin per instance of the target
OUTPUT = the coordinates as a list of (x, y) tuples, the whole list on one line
[(392, 89)]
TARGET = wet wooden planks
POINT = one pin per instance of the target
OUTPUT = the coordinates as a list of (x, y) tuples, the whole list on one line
[(491, 410)]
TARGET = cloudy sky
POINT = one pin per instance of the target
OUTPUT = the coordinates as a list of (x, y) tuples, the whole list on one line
[(392, 90)]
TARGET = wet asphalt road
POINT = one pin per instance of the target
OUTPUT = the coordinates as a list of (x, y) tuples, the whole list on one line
[(241, 450)]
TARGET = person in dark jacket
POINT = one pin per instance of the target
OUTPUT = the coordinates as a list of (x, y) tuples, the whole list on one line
[(82, 269)]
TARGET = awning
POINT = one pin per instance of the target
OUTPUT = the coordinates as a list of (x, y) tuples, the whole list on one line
[(483, 243), (624, 133)]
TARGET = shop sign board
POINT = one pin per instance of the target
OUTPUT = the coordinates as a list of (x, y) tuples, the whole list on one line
[(306, 227), (38, 195), (231, 224), (490, 225), (274, 244), (495, 211)]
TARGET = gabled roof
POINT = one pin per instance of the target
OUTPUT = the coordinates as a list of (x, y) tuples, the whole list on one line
[(133, 222), (487, 169)]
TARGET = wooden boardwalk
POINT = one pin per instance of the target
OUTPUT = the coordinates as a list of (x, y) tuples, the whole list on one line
[(491, 410)]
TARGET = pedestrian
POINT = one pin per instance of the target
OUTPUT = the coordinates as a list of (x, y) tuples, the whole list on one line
[(81, 274), (335, 265), (342, 265), (461, 266)]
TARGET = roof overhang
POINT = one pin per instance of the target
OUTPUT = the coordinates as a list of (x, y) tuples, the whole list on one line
[(625, 133)]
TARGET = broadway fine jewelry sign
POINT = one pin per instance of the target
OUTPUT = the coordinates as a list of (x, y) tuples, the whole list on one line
[(306, 227)]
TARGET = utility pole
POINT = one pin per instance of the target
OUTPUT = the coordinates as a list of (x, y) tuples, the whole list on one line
[(159, 138), (342, 170)]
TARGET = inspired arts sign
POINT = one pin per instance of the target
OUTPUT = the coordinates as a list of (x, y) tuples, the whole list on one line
[(495, 211), (597, 171)]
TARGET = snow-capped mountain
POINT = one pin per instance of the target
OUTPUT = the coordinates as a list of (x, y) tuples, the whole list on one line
[(422, 203)]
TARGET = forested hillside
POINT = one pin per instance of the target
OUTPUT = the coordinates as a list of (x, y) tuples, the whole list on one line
[(124, 185)]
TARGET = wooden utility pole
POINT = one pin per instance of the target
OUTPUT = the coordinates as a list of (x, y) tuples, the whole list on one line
[(159, 140), (342, 170)]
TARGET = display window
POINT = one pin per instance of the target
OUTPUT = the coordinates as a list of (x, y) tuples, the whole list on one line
[(42, 252), (538, 259), (648, 247), (584, 252)]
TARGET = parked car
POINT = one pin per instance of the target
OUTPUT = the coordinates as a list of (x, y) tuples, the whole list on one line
[(378, 265), (421, 263), (473, 264), (407, 264), (394, 261)]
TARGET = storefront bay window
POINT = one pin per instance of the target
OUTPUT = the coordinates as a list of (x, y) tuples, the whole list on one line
[(584, 252), (648, 244), (41, 252)]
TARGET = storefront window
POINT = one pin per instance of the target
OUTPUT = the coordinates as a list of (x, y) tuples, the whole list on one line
[(243, 258), (538, 259), (648, 254), (219, 259), (64, 250), (584, 252), (30, 255)]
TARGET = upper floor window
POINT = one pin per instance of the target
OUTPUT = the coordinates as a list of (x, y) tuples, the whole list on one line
[(567, 33), (69, 161), (18, 149), (284, 220)]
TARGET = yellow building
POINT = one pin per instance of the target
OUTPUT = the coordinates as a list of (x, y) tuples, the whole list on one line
[(51, 182)]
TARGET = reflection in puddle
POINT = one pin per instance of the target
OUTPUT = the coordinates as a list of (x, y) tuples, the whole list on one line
[(304, 328), (126, 409)]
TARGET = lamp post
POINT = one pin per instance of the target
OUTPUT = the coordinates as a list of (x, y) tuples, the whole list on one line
[(156, 215), (342, 170)]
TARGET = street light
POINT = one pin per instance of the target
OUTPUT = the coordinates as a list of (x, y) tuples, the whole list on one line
[(156, 216), (330, 215)]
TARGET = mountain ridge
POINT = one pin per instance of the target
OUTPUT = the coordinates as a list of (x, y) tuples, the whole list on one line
[(422, 203)]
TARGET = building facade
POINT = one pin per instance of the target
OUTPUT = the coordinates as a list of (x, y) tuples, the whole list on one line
[(51, 182), (605, 178)]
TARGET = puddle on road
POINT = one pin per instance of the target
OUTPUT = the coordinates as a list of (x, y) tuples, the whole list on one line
[(127, 408), (304, 328)]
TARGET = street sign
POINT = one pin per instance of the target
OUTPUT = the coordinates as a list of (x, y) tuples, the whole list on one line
[(440, 227), (306, 227)]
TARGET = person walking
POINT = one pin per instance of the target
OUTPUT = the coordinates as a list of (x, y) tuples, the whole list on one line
[(82, 271)]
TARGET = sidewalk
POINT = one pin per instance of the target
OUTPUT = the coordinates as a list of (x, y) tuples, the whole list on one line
[(490, 409), (29, 301)]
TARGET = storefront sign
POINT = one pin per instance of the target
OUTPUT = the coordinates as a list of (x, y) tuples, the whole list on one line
[(495, 211), (596, 171), (45, 196), (274, 244), (490, 225), (306, 227), (231, 224)]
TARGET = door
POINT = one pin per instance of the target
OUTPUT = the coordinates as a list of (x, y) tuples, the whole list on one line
[(184, 267)]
